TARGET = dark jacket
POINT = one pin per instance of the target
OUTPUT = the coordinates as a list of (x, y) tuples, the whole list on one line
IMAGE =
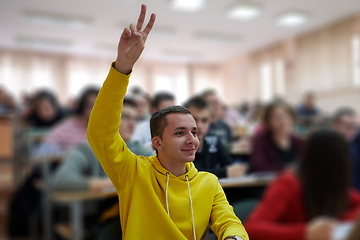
[(355, 152), (212, 157)]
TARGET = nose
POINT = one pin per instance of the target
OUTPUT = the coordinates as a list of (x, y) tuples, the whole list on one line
[(191, 139)]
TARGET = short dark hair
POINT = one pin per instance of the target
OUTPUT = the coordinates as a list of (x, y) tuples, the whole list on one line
[(158, 121), (196, 102), (272, 106), (343, 111), (80, 108), (208, 92), (325, 155), (130, 102), (161, 96)]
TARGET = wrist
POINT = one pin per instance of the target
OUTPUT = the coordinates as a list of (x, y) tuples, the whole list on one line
[(123, 67)]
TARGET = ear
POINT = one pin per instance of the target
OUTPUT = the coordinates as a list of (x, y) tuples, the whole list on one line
[(157, 143)]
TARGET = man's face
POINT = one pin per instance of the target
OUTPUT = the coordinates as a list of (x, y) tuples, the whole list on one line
[(90, 100), (179, 141), (127, 125), (214, 104), (202, 118), (310, 101), (347, 126), (142, 106)]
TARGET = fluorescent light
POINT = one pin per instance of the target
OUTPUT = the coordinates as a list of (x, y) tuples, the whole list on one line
[(182, 53), (190, 6), (57, 20), (244, 11), (43, 42), (292, 19), (217, 37)]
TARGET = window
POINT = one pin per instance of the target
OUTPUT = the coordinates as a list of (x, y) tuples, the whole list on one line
[(356, 59), (266, 83)]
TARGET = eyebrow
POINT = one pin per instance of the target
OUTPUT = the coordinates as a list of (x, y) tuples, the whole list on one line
[(183, 128)]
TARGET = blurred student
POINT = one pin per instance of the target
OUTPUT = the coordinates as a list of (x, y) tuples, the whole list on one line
[(164, 196), (307, 112), (345, 122), (142, 131), (44, 110), (275, 147), (218, 126), (80, 170), (143, 107), (7, 103), (306, 204), (211, 155), (71, 131)]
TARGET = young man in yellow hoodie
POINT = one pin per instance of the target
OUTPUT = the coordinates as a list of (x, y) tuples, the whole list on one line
[(164, 196)]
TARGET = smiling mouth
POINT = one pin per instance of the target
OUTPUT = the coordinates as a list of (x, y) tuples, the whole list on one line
[(188, 150)]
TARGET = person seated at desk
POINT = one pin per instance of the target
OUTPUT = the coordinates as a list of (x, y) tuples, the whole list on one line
[(81, 170), (218, 126), (307, 112), (344, 121), (142, 131), (275, 146), (44, 110), (71, 131), (163, 196), (211, 155), (306, 203)]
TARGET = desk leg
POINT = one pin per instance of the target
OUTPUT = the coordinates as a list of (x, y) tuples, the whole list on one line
[(47, 218), (77, 220)]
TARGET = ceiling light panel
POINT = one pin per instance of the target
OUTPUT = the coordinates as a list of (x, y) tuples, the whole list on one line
[(292, 19), (57, 20), (244, 11), (42, 42), (217, 37), (190, 6)]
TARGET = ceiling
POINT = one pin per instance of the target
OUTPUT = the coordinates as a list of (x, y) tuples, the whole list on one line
[(176, 36)]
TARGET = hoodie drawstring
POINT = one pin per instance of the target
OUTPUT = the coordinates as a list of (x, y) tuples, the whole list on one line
[(190, 198), (167, 193), (191, 207)]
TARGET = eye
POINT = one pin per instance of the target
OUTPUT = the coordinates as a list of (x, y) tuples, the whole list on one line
[(194, 133), (179, 133)]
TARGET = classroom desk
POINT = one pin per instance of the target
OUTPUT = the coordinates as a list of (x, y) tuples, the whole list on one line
[(75, 199), (251, 180), (6, 137)]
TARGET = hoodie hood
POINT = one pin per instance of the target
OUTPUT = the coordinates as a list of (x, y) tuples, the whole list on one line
[(191, 170)]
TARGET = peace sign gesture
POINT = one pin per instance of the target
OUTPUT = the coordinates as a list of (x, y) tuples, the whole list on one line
[(132, 42)]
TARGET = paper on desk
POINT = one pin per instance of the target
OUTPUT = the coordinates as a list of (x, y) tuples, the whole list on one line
[(342, 230)]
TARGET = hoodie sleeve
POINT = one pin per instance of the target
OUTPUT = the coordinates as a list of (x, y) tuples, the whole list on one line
[(119, 163), (223, 220)]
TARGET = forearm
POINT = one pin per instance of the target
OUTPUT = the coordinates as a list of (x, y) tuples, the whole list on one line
[(223, 220)]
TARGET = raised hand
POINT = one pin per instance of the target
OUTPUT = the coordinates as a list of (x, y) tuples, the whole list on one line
[(132, 42)]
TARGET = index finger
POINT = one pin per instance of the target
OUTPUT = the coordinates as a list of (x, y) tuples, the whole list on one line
[(150, 24), (141, 18)]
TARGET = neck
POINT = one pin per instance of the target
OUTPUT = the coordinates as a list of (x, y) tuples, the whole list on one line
[(282, 139), (175, 168)]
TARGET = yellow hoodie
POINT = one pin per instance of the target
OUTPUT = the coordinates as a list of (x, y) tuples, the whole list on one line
[(154, 203)]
